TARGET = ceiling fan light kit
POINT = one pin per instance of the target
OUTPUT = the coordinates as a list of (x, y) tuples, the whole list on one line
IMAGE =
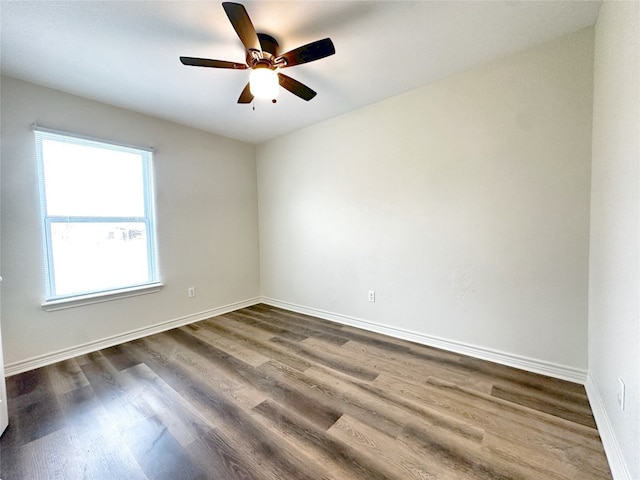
[(263, 82), (263, 59)]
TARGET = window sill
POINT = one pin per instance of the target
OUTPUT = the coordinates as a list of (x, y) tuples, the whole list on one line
[(71, 302)]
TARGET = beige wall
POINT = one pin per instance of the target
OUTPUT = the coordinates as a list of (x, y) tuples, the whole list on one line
[(464, 204), (206, 219), (614, 287)]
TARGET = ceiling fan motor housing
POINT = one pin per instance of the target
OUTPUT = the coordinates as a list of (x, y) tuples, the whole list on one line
[(268, 44), (265, 58)]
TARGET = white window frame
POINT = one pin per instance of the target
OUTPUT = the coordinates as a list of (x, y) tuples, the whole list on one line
[(56, 302)]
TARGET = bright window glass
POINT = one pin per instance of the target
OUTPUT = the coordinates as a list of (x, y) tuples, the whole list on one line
[(97, 215)]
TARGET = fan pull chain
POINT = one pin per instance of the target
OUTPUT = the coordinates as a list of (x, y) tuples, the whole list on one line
[(253, 107)]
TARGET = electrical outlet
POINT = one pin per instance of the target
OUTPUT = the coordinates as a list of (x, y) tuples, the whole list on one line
[(372, 296), (191, 292), (621, 394)]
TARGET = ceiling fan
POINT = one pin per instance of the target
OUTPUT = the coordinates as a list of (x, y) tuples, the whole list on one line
[(264, 60)]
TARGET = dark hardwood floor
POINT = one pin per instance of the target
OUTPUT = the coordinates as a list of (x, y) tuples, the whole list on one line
[(264, 393)]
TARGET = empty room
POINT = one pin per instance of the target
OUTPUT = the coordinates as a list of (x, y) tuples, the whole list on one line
[(320, 240)]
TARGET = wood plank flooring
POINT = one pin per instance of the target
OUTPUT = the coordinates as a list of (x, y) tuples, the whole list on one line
[(263, 393)]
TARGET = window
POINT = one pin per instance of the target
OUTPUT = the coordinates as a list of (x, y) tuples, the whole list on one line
[(97, 216)]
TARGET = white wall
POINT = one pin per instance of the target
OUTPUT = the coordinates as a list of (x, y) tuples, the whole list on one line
[(206, 220), (614, 283), (464, 204)]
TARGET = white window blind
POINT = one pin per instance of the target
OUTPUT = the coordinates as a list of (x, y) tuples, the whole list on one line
[(97, 215)]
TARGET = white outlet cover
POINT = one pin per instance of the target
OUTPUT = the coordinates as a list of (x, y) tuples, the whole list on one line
[(621, 393)]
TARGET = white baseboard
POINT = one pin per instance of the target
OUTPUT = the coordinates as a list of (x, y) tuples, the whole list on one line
[(537, 366), (65, 354), (619, 469), (562, 372)]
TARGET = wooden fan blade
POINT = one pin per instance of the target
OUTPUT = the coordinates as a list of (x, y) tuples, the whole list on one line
[(241, 22), (307, 53), (246, 96), (206, 62), (295, 87)]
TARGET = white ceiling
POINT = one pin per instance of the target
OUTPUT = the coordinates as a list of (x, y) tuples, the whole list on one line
[(126, 53)]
